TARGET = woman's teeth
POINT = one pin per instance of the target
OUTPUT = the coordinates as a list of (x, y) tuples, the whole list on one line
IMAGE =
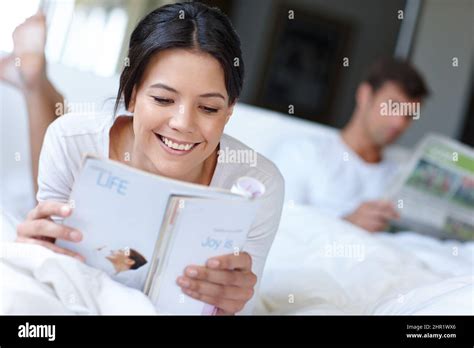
[(175, 146)]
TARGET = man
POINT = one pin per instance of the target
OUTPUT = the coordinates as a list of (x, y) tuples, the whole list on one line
[(123, 265), (347, 172), (123, 259)]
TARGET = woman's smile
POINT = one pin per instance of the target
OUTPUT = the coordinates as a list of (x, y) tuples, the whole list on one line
[(176, 147)]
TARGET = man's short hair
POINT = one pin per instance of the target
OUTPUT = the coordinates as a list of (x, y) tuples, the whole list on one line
[(400, 72), (137, 257)]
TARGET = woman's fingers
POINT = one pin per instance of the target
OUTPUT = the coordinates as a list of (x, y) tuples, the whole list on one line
[(50, 246), (215, 290), (227, 283), (49, 208), (47, 228), (224, 277), (242, 261), (223, 312), (225, 306), (39, 229)]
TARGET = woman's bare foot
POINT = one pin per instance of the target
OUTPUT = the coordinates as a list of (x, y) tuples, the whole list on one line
[(25, 67)]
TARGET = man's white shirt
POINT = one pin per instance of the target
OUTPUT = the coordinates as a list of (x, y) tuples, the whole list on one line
[(325, 172)]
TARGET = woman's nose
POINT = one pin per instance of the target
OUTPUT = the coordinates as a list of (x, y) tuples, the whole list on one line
[(183, 119)]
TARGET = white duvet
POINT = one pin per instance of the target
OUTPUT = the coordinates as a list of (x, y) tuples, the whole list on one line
[(38, 281), (317, 265), (321, 265), (35, 280)]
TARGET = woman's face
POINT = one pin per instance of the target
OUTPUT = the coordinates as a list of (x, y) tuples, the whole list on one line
[(180, 109)]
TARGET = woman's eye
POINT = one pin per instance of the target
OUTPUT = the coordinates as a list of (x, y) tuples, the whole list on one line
[(209, 110), (163, 101)]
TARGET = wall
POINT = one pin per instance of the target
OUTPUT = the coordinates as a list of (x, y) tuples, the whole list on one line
[(375, 25), (445, 30)]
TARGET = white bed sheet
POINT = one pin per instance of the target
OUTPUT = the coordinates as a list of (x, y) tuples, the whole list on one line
[(307, 272), (321, 265)]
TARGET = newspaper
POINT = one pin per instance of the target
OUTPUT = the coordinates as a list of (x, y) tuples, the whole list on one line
[(435, 192)]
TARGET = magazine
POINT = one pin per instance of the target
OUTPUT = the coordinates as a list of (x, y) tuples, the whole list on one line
[(144, 229)]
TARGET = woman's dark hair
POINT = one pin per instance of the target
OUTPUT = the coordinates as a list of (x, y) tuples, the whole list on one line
[(188, 25)]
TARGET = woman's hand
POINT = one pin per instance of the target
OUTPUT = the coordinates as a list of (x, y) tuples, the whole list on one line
[(39, 228), (227, 282)]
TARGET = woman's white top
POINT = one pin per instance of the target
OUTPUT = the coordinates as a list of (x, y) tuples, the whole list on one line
[(71, 136)]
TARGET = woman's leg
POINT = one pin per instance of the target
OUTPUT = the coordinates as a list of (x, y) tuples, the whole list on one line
[(25, 69)]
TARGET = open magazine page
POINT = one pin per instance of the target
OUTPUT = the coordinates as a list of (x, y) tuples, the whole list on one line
[(120, 211), (195, 230), (435, 194)]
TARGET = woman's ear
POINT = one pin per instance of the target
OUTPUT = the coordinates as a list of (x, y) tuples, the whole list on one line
[(131, 104), (229, 112)]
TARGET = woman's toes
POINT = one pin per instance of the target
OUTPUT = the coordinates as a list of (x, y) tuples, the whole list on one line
[(29, 40), (30, 36), (9, 72)]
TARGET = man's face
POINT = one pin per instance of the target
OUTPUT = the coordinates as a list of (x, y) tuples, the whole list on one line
[(385, 113), (121, 260)]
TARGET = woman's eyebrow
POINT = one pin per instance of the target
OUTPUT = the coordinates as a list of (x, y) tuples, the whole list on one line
[(212, 95), (161, 85), (171, 89)]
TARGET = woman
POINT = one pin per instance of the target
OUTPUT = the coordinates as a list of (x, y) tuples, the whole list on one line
[(184, 77)]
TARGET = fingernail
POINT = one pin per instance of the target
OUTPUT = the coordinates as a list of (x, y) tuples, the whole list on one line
[(191, 272), (213, 263), (75, 236), (183, 282), (65, 209)]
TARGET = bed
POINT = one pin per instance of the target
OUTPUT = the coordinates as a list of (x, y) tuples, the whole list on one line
[(318, 265), (322, 265)]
